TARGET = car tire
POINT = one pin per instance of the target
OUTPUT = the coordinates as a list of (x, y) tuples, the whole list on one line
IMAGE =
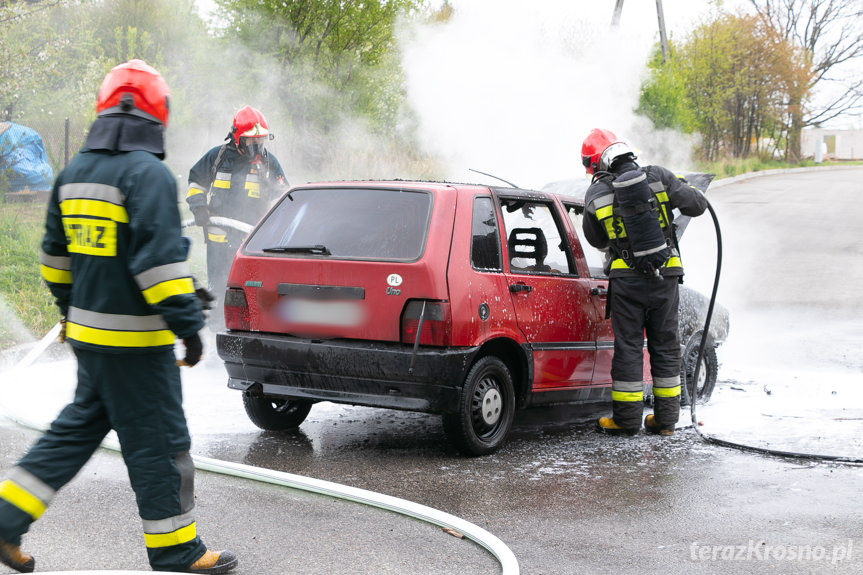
[(486, 409), (273, 414), (707, 374)]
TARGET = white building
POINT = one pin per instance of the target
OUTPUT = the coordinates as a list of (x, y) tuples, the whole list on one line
[(835, 144)]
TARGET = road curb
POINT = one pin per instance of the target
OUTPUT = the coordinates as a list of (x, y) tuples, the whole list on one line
[(718, 183)]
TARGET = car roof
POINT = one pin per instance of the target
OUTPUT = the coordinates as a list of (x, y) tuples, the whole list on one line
[(432, 185), (568, 190)]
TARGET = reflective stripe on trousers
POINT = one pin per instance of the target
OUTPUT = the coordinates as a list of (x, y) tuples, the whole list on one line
[(644, 308), (140, 397)]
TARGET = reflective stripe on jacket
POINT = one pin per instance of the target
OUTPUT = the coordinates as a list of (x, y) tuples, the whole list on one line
[(226, 183), (603, 206), (605, 231), (113, 254)]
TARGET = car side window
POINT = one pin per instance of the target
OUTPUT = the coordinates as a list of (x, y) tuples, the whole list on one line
[(534, 241), (485, 239), (595, 258)]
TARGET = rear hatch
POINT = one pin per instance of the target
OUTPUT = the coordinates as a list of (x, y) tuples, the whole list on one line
[(343, 260)]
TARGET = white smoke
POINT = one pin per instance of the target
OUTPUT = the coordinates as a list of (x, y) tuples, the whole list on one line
[(513, 90)]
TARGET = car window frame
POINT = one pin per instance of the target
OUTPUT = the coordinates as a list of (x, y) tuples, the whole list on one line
[(551, 206), (287, 197)]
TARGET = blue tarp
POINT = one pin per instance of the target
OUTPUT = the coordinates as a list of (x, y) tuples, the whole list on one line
[(23, 160)]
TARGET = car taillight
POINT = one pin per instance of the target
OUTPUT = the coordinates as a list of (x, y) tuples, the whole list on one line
[(236, 309), (435, 326)]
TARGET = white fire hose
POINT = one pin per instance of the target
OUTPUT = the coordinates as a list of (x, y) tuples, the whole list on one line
[(220, 221), (492, 544)]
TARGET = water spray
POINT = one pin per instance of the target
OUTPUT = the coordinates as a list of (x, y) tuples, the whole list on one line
[(693, 390)]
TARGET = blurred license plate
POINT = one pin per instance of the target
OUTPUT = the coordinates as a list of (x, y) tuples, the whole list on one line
[(328, 313)]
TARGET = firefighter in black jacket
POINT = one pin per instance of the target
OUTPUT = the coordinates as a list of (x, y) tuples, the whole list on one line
[(239, 180), (114, 258), (643, 291)]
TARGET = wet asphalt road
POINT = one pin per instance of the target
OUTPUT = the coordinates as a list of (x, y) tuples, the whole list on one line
[(564, 499)]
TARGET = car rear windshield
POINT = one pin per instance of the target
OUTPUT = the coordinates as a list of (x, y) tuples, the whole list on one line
[(350, 223)]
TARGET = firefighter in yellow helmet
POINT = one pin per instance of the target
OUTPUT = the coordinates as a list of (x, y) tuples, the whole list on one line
[(114, 258), (238, 180), (628, 214)]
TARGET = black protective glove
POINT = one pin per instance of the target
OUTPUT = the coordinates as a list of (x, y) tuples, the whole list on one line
[(194, 350), (204, 295), (202, 215)]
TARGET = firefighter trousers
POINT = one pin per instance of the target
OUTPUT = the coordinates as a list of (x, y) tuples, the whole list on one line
[(140, 397), (220, 256), (645, 307)]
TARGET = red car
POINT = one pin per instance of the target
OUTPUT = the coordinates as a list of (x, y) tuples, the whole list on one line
[(464, 300)]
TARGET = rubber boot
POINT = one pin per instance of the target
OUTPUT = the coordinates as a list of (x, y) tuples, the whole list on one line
[(653, 426), (12, 556), (608, 426), (214, 562)]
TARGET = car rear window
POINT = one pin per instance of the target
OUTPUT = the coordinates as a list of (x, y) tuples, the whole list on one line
[(350, 223)]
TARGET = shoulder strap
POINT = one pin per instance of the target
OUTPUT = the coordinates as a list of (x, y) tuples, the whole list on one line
[(216, 165), (670, 236)]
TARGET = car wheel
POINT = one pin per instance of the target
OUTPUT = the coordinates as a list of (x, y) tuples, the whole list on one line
[(486, 409), (276, 414), (707, 374)]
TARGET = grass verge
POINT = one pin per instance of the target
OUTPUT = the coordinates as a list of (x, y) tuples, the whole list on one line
[(26, 305)]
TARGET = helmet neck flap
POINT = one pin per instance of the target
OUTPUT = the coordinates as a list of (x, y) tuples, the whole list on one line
[(124, 133)]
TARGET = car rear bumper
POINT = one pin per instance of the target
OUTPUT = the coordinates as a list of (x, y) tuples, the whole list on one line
[(346, 371)]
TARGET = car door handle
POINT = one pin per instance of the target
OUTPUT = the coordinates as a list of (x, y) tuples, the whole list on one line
[(520, 287), (598, 291)]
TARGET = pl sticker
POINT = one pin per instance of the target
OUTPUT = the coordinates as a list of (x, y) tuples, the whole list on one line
[(394, 281)]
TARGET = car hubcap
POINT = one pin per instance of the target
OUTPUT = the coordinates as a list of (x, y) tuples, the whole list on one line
[(283, 406), (702, 373), (702, 377), (488, 403)]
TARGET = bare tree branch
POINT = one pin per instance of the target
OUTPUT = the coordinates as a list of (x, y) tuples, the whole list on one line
[(831, 33)]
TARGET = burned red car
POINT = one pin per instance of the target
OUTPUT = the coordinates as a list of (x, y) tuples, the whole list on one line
[(463, 300)]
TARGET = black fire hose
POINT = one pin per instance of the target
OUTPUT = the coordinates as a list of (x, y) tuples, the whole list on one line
[(693, 389)]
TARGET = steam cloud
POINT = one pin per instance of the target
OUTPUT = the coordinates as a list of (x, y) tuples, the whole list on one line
[(513, 91)]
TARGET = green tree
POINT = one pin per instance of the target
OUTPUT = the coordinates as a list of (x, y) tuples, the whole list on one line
[(37, 60), (317, 68), (736, 74), (49, 63), (171, 36), (329, 56), (663, 97)]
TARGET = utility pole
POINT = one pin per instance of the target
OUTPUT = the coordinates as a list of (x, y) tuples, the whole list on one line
[(663, 39), (618, 8)]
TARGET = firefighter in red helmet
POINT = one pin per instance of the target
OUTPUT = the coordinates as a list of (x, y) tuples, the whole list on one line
[(114, 259), (628, 215), (238, 180)]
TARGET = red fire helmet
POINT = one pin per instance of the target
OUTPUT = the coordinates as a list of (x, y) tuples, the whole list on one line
[(249, 123), (600, 148), (134, 88)]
